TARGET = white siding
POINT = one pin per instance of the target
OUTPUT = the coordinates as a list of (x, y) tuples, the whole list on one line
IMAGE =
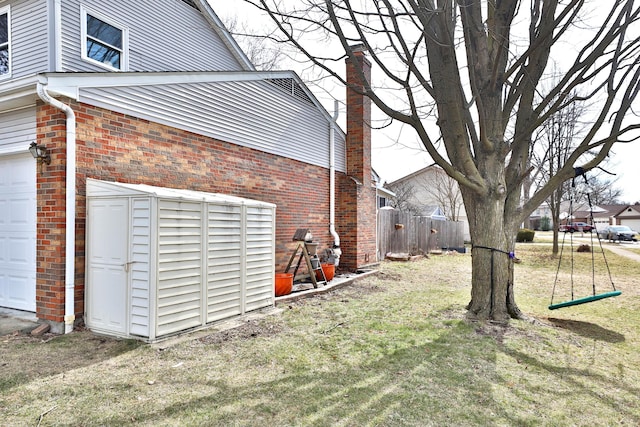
[(256, 114), (179, 266), (260, 248), (17, 130), (164, 35), (140, 266), (29, 37), (224, 261)]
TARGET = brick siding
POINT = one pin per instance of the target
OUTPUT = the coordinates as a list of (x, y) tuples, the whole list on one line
[(112, 146)]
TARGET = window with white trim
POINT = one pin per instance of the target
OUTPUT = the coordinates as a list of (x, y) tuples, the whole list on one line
[(104, 42), (5, 38)]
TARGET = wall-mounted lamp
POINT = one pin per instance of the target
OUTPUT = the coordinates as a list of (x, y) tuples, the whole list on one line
[(40, 153)]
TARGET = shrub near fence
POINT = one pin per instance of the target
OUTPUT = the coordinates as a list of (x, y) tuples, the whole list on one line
[(401, 232)]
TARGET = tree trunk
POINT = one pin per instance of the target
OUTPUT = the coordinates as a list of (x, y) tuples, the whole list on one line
[(493, 233)]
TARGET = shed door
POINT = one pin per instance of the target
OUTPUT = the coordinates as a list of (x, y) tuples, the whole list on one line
[(18, 232), (107, 250)]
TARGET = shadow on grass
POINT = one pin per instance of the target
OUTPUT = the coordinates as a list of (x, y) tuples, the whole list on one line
[(428, 384), (588, 330), (23, 357)]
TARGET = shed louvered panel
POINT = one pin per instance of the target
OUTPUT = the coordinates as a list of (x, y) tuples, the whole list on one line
[(184, 258), (260, 258), (179, 266), (224, 262), (140, 267)]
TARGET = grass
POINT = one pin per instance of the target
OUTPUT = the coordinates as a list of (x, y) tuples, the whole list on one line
[(391, 350)]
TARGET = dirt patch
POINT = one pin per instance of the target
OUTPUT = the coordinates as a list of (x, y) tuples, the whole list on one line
[(24, 357), (251, 329)]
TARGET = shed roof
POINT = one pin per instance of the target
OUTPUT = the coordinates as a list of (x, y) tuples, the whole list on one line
[(98, 188)]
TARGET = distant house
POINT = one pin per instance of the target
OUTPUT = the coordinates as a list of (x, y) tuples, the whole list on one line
[(543, 211), (383, 194), (158, 93), (428, 192), (629, 216), (606, 214)]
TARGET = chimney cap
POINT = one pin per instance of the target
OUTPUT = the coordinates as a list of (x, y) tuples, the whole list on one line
[(359, 48)]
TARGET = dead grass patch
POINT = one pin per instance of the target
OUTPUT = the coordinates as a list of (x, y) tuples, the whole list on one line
[(393, 349)]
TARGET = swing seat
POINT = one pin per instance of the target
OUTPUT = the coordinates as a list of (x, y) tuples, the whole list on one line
[(584, 300)]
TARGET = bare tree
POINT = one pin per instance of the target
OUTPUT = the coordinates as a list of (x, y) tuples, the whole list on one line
[(603, 191), (556, 140), (444, 191), (470, 73), (262, 54), (404, 198)]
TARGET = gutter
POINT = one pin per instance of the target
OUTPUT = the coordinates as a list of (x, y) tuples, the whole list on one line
[(70, 214), (332, 184)]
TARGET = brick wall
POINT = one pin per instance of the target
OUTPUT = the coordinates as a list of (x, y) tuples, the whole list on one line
[(112, 146)]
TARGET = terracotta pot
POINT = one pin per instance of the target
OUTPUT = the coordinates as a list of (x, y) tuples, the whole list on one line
[(284, 283)]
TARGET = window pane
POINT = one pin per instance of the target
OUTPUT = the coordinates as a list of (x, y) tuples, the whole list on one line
[(104, 32), (103, 54), (4, 29), (4, 60)]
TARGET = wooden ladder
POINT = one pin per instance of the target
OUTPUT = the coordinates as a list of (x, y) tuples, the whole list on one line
[(312, 261)]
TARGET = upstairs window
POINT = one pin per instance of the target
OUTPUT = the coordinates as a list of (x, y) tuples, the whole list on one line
[(5, 63), (104, 42)]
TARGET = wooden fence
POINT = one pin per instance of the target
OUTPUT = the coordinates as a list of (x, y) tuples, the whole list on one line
[(401, 232)]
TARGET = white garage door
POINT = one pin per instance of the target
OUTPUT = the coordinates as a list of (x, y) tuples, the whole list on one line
[(18, 232)]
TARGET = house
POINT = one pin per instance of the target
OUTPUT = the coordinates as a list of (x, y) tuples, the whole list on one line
[(158, 93), (383, 194), (630, 216), (536, 217), (430, 191)]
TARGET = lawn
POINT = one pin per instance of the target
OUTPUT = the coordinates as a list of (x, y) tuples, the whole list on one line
[(389, 350)]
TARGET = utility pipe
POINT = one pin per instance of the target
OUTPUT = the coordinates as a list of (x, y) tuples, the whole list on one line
[(70, 242), (332, 183)]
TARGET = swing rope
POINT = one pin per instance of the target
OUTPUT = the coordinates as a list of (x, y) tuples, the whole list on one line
[(594, 297)]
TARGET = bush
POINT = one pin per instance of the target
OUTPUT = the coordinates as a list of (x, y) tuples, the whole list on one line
[(545, 223), (525, 235)]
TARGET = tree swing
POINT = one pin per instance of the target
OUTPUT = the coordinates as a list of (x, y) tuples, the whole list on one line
[(594, 296)]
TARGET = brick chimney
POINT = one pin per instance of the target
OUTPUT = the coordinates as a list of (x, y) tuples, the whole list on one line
[(356, 215)]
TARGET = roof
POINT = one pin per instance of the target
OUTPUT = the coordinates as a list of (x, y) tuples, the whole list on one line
[(414, 174), (98, 188), (221, 30)]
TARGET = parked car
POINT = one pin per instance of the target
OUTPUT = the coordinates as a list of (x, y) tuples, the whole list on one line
[(617, 233), (576, 226)]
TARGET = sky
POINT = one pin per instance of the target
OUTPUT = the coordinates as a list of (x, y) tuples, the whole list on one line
[(396, 151)]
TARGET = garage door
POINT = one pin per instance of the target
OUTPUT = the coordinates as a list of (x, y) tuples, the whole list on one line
[(18, 232)]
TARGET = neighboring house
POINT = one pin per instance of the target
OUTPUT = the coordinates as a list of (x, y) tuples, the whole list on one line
[(158, 93), (423, 191), (629, 216), (536, 216), (383, 195), (604, 215)]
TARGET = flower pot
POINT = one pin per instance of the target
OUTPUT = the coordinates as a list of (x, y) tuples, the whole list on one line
[(284, 283), (329, 271)]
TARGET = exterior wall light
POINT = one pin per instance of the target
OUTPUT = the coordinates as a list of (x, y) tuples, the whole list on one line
[(40, 153)]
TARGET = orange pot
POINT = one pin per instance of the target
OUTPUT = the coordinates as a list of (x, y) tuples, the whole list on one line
[(284, 283), (329, 271)]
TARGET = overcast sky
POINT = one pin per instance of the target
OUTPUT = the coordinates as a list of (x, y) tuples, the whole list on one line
[(396, 152)]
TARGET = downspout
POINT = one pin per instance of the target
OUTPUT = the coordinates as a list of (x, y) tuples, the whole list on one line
[(70, 214), (332, 184)]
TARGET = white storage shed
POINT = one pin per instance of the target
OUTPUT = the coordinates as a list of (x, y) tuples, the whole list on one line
[(160, 261)]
